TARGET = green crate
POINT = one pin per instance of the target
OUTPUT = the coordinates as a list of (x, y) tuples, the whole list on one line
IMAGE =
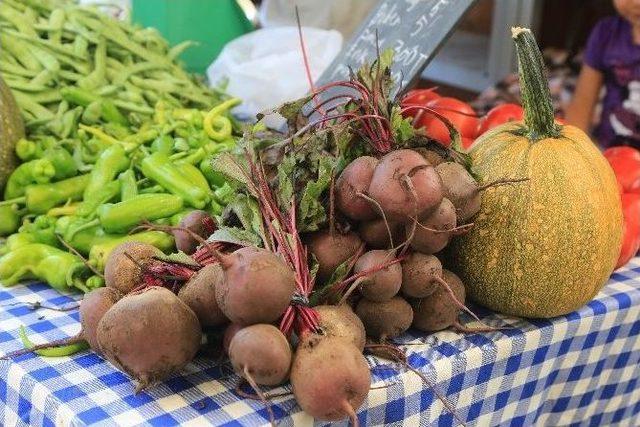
[(210, 23)]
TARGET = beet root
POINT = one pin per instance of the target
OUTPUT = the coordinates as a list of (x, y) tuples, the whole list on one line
[(93, 307), (376, 234), (200, 223), (381, 285), (199, 293), (461, 189), (229, 333), (438, 311), (149, 335), (257, 286), (261, 354), (353, 181), (330, 378), (122, 273), (433, 233), (331, 250), (418, 273), (339, 321), (405, 185), (386, 319)]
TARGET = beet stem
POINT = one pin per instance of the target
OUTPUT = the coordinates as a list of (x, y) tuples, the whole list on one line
[(55, 343), (261, 395), (353, 417)]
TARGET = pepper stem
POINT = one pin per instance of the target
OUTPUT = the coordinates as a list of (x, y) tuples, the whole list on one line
[(17, 200), (536, 97)]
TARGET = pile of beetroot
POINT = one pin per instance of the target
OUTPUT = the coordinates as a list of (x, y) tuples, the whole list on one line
[(332, 248)]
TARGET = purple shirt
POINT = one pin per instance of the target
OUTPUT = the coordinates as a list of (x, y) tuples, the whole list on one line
[(611, 50)]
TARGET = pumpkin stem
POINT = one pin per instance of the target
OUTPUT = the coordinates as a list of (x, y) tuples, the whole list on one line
[(536, 97)]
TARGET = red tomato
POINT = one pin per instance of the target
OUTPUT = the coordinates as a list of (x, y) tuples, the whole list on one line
[(459, 113), (630, 229), (467, 142), (500, 114), (561, 121), (625, 162), (419, 97)]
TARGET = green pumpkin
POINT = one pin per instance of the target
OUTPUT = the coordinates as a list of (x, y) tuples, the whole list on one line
[(546, 246), (11, 130)]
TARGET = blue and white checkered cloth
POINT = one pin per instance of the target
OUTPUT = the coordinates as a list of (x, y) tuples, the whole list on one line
[(579, 369)]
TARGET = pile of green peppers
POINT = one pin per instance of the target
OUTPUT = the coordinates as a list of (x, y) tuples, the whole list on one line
[(89, 192)]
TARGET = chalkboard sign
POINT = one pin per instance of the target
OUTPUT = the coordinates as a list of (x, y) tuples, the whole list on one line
[(415, 29)]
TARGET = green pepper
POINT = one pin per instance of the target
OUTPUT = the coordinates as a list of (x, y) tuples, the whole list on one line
[(38, 171), (26, 149), (61, 351), (82, 240), (16, 240), (60, 269), (41, 230), (128, 185), (121, 217), (111, 162), (9, 219), (215, 118), (194, 175), (62, 161), (100, 252), (159, 168), (162, 144), (102, 195), (39, 199)]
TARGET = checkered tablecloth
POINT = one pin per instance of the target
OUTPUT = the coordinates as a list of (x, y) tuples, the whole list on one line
[(579, 369)]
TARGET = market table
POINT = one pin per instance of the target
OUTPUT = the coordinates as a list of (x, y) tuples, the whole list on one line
[(583, 369)]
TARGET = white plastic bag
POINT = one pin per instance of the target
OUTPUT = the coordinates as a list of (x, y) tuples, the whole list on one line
[(265, 68)]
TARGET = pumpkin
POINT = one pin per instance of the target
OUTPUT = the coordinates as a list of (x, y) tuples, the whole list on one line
[(11, 130), (546, 246)]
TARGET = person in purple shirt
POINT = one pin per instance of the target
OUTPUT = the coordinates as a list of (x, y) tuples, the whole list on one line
[(612, 59)]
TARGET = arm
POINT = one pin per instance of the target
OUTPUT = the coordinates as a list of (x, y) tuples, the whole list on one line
[(580, 110)]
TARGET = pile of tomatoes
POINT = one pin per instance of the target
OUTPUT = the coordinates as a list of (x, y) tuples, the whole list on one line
[(459, 113), (625, 161)]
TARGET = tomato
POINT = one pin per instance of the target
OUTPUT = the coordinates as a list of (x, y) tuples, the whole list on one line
[(419, 97), (459, 113), (625, 162), (631, 228), (500, 114)]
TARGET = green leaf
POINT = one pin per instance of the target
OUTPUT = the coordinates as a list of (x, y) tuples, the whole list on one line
[(179, 257), (227, 164), (402, 127), (311, 211), (236, 235)]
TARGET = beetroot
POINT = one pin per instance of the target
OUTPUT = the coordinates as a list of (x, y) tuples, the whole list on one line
[(330, 378), (123, 273), (418, 273), (383, 284), (199, 293), (200, 223), (439, 311), (340, 321), (257, 286), (261, 354), (434, 231), (353, 181), (405, 185), (376, 234), (150, 335), (461, 189), (93, 307), (386, 319), (331, 250)]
